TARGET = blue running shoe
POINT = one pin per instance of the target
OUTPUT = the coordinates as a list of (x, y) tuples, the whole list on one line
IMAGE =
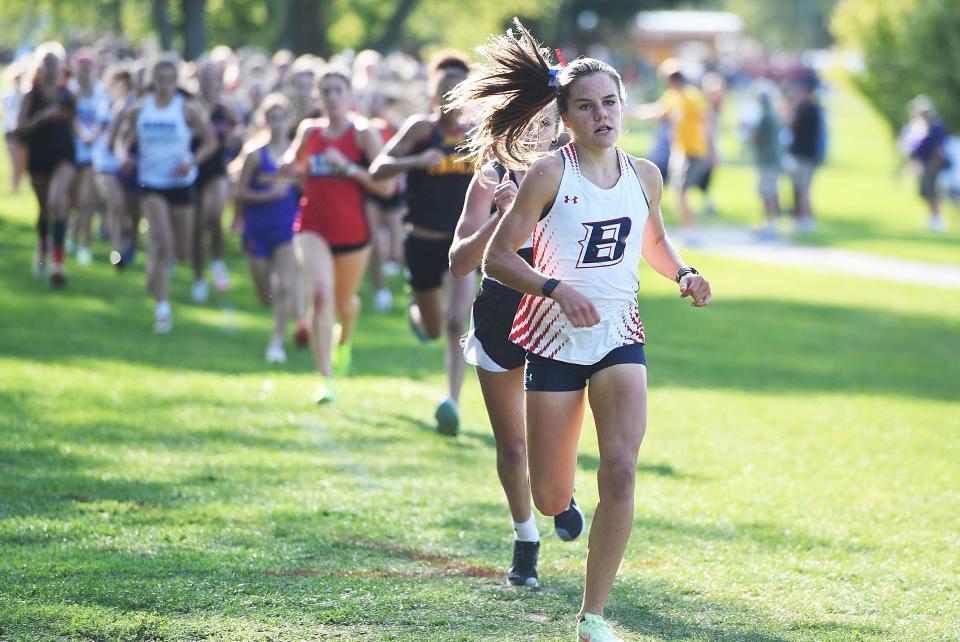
[(415, 327), (448, 418)]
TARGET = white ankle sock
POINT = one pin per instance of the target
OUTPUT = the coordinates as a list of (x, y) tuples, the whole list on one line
[(527, 531)]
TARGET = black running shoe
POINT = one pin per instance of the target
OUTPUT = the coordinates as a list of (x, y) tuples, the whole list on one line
[(523, 572), (58, 280), (569, 523)]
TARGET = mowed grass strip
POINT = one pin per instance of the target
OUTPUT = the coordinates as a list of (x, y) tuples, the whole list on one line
[(798, 480)]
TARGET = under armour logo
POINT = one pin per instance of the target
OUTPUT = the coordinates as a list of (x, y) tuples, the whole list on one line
[(570, 199)]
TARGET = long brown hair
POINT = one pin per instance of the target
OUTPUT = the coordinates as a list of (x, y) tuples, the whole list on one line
[(513, 83)]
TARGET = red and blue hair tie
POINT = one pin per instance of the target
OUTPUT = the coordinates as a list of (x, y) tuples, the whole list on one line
[(554, 73)]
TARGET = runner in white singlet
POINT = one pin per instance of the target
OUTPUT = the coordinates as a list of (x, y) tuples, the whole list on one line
[(163, 124), (593, 212)]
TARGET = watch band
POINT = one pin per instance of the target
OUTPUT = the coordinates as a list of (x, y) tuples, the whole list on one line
[(684, 271), (549, 287)]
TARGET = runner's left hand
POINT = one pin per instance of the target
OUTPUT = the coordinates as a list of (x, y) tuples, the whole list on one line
[(696, 287), (182, 169)]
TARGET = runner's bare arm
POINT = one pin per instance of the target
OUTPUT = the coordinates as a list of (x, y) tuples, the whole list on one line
[(370, 144), (501, 261), (296, 154), (245, 191), (128, 132), (199, 124), (657, 248), (397, 155), (476, 224)]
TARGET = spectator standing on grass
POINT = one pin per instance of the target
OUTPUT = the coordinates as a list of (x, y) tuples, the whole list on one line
[(951, 176), (767, 153), (11, 108), (806, 149), (685, 107), (714, 90), (930, 155)]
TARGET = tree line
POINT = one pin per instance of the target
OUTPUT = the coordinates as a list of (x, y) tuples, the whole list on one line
[(909, 47)]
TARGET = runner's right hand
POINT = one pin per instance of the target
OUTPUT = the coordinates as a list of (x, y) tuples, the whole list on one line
[(430, 158), (578, 309), (504, 194)]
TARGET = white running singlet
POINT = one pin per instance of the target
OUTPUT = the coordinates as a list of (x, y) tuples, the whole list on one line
[(590, 239), (163, 137)]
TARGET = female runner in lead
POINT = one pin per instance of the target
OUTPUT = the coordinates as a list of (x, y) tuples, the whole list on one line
[(592, 211)]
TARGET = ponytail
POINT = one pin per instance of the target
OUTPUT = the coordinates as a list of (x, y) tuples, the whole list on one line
[(514, 82), (510, 87)]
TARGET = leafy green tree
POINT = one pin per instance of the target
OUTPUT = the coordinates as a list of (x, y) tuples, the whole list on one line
[(786, 24), (909, 47)]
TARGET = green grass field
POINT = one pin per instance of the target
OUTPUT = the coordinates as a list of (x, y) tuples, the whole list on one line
[(798, 482)]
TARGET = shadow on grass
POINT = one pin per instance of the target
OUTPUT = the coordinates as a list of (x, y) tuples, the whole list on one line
[(755, 345), (45, 481), (586, 461), (323, 575), (270, 564)]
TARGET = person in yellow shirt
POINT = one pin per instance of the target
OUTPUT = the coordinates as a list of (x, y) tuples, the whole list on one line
[(691, 156)]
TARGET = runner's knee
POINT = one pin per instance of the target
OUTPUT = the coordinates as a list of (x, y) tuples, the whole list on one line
[(512, 453), (455, 327), (616, 478)]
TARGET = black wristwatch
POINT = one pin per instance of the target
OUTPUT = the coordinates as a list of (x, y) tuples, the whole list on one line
[(684, 271), (549, 287)]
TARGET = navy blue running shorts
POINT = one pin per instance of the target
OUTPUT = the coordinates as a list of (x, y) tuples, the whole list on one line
[(549, 375)]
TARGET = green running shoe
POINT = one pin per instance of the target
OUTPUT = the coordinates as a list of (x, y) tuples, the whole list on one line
[(327, 392), (593, 628), (343, 359)]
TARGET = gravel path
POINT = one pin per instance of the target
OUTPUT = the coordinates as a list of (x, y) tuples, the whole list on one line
[(741, 243)]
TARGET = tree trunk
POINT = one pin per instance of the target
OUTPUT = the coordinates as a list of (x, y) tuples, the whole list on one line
[(392, 34), (194, 29), (305, 28), (162, 22), (116, 9)]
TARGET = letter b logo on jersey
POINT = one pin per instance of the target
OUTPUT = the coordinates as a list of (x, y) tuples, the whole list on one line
[(604, 243)]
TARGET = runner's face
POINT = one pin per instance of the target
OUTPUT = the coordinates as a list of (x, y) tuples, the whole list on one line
[(594, 111), (445, 84), (85, 73), (210, 81), (51, 67), (336, 96), (302, 85), (549, 129), (278, 120), (165, 82)]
